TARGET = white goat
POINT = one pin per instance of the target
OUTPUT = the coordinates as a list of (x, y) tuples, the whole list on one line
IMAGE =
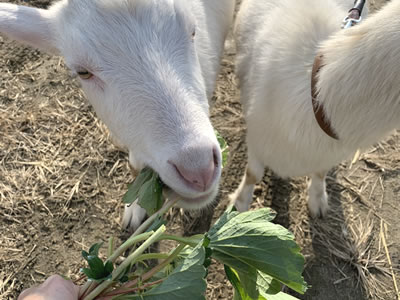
[(358, 88), (148, 67)]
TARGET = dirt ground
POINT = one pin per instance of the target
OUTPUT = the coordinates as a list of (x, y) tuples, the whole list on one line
[(61, 184)]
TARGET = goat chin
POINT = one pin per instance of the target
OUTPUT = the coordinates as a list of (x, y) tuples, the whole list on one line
[(277, 42)]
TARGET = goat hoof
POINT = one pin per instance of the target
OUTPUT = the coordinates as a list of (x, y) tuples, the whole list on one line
[(133, 217), (318, 205), (241, 205)]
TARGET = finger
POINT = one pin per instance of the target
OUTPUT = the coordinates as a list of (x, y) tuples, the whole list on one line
[(27, 292)]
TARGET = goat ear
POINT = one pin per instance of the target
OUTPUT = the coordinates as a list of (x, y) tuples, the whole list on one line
[(31, 26)]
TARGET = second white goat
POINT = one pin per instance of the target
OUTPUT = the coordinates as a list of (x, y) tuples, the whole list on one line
[(358, 88)]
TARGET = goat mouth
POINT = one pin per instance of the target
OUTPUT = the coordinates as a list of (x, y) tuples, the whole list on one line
[(186, 202)]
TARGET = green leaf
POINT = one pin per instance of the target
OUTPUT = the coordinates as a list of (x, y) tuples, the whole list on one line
[(224, 148), (206, 241), (270, 289), (259, 286), (235, 281), (88, 273), (150, 195), (185, 282), (133, 191), (96, 266), (85, 254), (249, 283), (267, 285), (261, 215), (94, 250), (98, 271), (108, 267), (280, 296), (207, 260), (225, 218), (250, 240)]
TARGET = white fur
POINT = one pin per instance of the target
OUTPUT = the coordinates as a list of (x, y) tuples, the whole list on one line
[(358, 87), (152, 81)]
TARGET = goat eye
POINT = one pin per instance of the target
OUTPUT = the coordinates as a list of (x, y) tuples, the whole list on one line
[(85, 74), (193, 33)]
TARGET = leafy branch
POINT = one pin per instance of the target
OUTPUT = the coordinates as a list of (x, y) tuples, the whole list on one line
[(259, 256)]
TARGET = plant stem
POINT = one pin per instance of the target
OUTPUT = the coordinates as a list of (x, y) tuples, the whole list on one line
[(191, 241), (167, 205), (161, 266), (135, 237), (90, 285), (130, 259), (123, 292), (157, 268), (132, 240), (139, 232), (79, 279), (86, 289), (152, 256), (83, 289)]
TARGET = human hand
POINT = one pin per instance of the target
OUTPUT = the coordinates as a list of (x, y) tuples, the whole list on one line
[(54, 288)]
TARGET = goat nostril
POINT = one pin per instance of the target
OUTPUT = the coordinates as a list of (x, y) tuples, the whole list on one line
[(199, 179), (215, 157)]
